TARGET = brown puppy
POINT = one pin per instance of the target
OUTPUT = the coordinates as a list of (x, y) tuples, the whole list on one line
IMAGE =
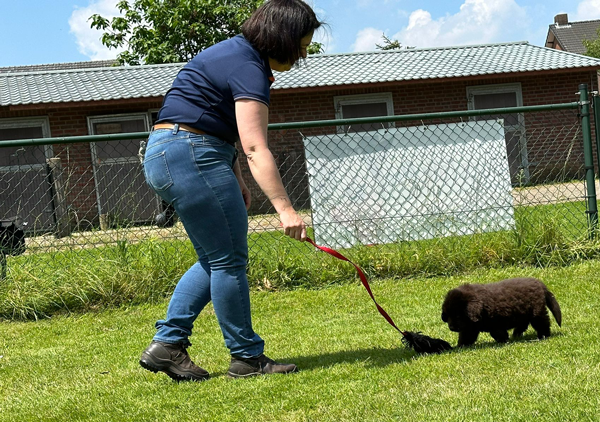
[(497, 307)]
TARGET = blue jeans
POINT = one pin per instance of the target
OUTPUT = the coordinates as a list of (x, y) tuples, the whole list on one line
[(194, 173)]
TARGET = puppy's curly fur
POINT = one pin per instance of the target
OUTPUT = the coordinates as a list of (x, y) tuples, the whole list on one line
[(498, 307)]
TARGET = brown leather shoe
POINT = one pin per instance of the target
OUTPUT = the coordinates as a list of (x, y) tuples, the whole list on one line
[(173, 360), (249, 367)]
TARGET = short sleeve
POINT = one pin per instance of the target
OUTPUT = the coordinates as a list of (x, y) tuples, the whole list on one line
[(250, 81)]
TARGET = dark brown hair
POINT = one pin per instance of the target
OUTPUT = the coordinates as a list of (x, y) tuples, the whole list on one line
[(277, 27)]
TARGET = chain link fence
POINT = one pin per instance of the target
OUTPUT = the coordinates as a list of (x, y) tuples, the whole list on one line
[(370, 181)]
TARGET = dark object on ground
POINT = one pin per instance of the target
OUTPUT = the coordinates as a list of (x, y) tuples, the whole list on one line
[(12, 241), (12, 237), (415, 340), (424, 344), (173, 360), (498, 307), (244, 368), (167, 217)]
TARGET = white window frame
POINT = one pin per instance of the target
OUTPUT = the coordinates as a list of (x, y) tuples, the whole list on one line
[(494, 89), (115, 118), (22, 122), (152, 110), (501, 89), (380, 97)]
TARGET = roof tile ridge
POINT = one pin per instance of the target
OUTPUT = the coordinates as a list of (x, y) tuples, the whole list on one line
[(576, 22), (408, 50), (89, 69), (570, 53)]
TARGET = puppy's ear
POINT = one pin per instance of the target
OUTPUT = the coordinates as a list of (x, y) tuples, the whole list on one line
[(444, 317), (474, 309)]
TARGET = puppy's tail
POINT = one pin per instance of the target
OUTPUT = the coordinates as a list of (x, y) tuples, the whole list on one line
[(553, 306)]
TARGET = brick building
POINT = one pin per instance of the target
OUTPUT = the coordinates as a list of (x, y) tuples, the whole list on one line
[(104, 178)]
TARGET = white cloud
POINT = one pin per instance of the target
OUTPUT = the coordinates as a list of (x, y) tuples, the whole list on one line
[(366, 39), (477, 22), (88, 39), (586, 10)]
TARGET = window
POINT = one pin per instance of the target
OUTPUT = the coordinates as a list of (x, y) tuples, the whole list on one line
[(12, 129), (367, 105), (117, 151), (502, 96)]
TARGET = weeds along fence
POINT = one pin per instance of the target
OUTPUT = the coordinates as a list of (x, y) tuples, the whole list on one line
[(428, 193)]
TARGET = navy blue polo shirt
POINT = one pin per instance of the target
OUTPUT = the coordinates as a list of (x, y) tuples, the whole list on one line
[(204, 92)]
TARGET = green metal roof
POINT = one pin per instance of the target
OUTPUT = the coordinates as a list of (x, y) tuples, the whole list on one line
[(430, 63), (325, 70), (96, 84)]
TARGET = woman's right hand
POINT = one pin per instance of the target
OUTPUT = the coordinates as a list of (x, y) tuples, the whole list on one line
[(293, 226)]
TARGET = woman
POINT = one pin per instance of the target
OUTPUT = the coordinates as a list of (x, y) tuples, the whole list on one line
[(220, 96)]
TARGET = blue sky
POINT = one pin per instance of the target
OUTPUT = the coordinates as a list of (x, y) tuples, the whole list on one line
[(42, 31)]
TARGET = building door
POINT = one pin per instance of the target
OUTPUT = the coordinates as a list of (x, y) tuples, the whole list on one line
[(123, 196), (25, 193)]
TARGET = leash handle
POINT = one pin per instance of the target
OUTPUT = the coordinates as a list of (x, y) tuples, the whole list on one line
[(362, 277)]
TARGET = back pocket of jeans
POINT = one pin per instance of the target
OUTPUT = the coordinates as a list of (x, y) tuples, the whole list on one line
[(157, 173)]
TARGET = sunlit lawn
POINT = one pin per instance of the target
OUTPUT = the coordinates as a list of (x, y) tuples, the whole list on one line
[(353, 367)]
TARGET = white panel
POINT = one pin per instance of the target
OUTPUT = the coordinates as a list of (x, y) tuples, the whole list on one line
[(409, 183)]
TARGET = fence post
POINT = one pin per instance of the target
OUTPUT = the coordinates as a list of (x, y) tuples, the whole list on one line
[(596, 107), (59, 198), (592, 207)]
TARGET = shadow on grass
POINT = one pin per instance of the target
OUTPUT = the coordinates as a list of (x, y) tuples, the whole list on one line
[(380, 357), (487, 344), (373, 357)]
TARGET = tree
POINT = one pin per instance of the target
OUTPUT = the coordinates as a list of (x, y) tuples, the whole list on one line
[(593, 46), (315, 48), (390, 44), (171, 31)]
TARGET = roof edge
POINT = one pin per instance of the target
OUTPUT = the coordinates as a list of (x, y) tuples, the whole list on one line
[(508, 75), (408, 50), (575, 22), (90, 69)]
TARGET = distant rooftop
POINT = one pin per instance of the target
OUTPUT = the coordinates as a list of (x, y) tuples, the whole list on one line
[(570, 35), (323, 70)]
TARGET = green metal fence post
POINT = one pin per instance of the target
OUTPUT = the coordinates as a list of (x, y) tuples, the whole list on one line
[(592, 207), (596, 107)]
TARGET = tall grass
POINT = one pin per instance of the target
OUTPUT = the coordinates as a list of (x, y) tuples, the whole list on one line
[(44, 284)]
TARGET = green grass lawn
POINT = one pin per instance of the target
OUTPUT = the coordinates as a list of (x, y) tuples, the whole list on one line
[(352, 364)]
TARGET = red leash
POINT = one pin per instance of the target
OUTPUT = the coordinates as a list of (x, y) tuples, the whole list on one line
[(415, 340), (363, 279)]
